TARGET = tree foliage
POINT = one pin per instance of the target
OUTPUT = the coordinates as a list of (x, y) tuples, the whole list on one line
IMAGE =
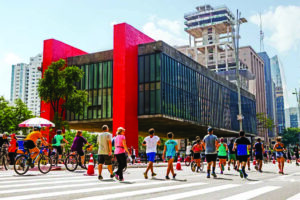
[(57, 87), (264, 122), (12, 116), (290, 136), (70, 135)]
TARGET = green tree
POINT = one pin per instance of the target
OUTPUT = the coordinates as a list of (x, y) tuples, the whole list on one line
[(57, 87), (20, 114), (70, 135), (290, 136), (264, 121)]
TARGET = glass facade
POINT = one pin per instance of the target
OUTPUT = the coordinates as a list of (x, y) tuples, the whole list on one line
[(179, 91), (97, 81)]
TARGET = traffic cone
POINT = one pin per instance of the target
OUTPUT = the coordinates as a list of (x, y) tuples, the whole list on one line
[(288, 161), (91, 170), (274, 161), (254, 161), (178, 165)]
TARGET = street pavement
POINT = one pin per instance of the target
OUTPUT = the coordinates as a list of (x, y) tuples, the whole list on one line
[(188, 185)]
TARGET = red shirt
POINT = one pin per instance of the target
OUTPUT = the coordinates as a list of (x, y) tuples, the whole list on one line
[(12, 146)]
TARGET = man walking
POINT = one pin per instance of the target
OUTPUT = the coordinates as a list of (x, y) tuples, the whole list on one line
[(105, 151), (242, 145), (210, 143), (259, 149), (231, 154), (151, 143)]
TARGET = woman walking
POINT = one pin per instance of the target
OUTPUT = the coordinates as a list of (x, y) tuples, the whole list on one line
[(170, 150), (120, 149), (279, 148), (222, 154), (197, 148)]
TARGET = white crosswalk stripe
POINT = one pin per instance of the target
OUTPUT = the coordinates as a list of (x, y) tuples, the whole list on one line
[(295, 197)]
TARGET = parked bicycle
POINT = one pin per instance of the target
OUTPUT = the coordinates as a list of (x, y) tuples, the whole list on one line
[(4, 157), (44, 161)]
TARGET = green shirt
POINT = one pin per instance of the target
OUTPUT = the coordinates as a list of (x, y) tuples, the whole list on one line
[(58, 139), (170, 146), (222, 150), (103, 142)]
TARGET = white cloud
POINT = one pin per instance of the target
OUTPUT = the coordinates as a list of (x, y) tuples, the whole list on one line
[(283, 23), (11, 58), (166, 30)]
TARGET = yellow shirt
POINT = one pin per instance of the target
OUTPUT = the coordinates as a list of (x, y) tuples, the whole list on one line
[(34, 136)]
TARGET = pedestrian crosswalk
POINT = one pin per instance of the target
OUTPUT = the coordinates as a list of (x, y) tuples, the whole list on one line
[(76, 186)]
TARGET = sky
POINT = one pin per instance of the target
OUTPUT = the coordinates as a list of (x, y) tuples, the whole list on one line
[(88, 25)]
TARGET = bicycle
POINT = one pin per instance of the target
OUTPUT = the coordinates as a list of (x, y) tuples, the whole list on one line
[(44, 161), (4, 157), (73, 159)]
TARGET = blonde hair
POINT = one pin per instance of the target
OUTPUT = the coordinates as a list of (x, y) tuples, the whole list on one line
[(278, 139), (120, 130)]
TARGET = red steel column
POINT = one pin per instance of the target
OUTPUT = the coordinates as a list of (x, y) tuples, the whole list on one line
[(125, 80)]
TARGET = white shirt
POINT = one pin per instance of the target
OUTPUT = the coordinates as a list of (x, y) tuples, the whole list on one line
[(188, 150), (151, 143)]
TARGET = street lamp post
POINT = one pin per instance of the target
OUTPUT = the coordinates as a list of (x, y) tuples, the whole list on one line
[(297, 93)]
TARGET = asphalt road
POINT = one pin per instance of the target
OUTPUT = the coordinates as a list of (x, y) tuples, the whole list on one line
[(188, 185)]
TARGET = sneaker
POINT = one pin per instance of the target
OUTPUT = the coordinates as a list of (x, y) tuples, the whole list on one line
[(241, 174), (260, 171), (245, 176), (174, 176), (221, 172), (145, 175), (153, 174), (112, 175), (208, 176), (167, 177), (121, 179), (256, 167), (297, 164), (214, 175), (249, 169), (100, 178), (117, 176)]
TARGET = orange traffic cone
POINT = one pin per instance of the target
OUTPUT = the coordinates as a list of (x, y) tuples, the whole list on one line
[(254, 161), (178, 165), (90, 170), (288, 161)]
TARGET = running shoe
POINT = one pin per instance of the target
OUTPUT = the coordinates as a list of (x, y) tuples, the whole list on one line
[(241, 174), (145, 175), (256, 167), (167, 177), (121, 179), (100, 178), (208, 175), (153, 174), (112, 175), (117, 176), (221, 172), (297, 164), (214, 175), (245, 176), (260, 171), (174, 176), (249, 169)]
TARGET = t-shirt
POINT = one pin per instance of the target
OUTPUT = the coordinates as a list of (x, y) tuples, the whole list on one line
[(210, 144), (119, 147), (258, 148), (242, 146), (3, 141), (78, 143), (34, 136), (103, 143), (151, 143), (230, 147), (188, 150), (58, 139), (170, 148), (13, 146)]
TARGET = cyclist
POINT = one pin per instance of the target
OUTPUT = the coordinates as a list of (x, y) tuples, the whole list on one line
[(279, 148), (222, 154), (58, 138), (12, 149), (231, 156), (77, 146), (30, 142), (197, 148)]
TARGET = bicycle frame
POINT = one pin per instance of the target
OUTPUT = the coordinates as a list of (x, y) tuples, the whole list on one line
[(27, 153)]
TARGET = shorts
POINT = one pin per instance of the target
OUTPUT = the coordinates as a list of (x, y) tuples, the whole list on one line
[(279, 154), (151, 156), (104, 159), (170, 157), (259, 157), (81, 153), (222, 157), (243, 158), (29, 144), (197, 156), (232, 157), (58, 149), (211, 158)]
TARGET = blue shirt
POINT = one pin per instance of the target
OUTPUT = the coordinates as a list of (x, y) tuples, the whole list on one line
[(170, 146), (210, 144)]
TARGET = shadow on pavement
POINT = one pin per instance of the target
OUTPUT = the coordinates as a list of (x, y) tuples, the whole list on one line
[(108, 180), (157, 179), (226, 179), (268, 172), (249, 179)]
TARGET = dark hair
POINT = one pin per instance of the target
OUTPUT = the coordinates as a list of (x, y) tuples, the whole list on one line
[(170, 135), (198, 141), (258, 139), (78, 133), (151, 131), (58, 132), (210, 129), (242, 133), (104, 127), (231, 140), (278, 139)]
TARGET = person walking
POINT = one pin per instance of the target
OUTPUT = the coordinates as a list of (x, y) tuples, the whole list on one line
[(120, 149), (222, 154), (188, 151), (197, 148), (151, 143), (279, 148), (56, 144), (242, 145), (104, 152), (232, 154), (170, 150), (210, 143), (296, 152), (259, 149), (12, 149), (132, 155)]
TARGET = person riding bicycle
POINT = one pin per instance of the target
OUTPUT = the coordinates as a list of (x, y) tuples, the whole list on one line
[(3, 140), (56, 143), (77, 146), (30, 142)]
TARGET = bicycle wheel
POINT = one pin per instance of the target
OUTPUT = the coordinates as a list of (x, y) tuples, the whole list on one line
[(193, 166), (71, 162), (45, 164), (20, 165), (187, 163), (54, 159)]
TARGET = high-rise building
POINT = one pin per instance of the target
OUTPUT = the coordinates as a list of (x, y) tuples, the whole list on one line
[(294, 117), (257, 86), (277, 76), (270, 91), (24, 82), (211, 42)]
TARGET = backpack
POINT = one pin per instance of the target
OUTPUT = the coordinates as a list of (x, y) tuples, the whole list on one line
[(54, 140)]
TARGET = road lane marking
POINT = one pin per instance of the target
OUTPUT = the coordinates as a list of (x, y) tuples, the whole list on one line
[(295, 197), (79, 191), (142, 192), (252, 193), (195, 192)]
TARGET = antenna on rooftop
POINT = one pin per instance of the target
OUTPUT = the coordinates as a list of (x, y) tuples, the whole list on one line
[(261, 33)]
